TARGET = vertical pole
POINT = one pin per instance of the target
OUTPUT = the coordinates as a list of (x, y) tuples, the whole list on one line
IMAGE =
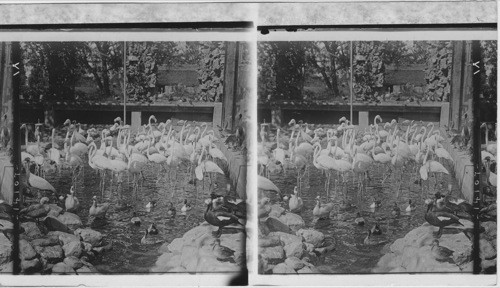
[(351, 86), (124, 83), (15, 61), (476, 64)]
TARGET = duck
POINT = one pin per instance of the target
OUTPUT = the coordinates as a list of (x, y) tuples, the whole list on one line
[(71, 203), (135, 219), (396, 211), (98, 210), (37, 210), (411, 207), (455, 204), (185, 208), (151, 204), (441, 253), (322, 211), (376, 229), (440, 219), (295, 203), (149, 239), (238, 207), (219, 218), (359, 219), (171, 210), (152, 230), (222, 253), (376, 204), (370, 241)]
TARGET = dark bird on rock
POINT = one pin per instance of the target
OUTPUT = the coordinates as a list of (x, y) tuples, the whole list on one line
[(441, 253), (440, 219), (219, 218)]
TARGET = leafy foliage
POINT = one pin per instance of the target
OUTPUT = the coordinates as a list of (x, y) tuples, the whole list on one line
[(211, 71), (438, 70), (489, 75)]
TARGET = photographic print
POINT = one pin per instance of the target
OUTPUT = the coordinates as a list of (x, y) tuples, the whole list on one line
[(365, 155), (133, 156)]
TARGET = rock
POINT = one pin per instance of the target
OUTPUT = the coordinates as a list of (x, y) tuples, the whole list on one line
[(73, 262), (7, 268), (273, 255), (189, 257), (486, 250), (276, 211), (490, 229), (282, 268), (312, 236), (294, 262), (43, 242), (52, 254), (73, 249), (286, 238), (468, 267), (88, 235), (64, 237), (31, 266), (305, 270), (294, 221), (211, 264), (87, 247), (294, 249), (178, 269), (488, 264), (276, 225), (195, 233), (61, 268), (309, 247), (166, 262), (104, 248), (6, 224), (84, 270), (458, 243), (26, 250), (55, 210), (175, 245), (233, 241), (70, 219), (269, 241), (31, 230), (53, 224), (5, 249)]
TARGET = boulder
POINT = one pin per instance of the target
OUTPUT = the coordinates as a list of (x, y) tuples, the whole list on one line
[(26, 250), (87, 247), (295, 263), (211, 264), (73, 248), (31, 266), (282, 268), (31, 230), (305, 270), (70, 219), (269, 241), (286, 238), (486, 250), (43, 242), (294, 221), (7, 268), (175, 245), (61, 268), (88, 235), (189, 257), (276, 211), (309, 247), (53, 224), (84, 270), (178, 269), (273, 255), (490, 229), (274, 225), (64, 237), (73, 262), (166, 262), (104, 248), (5, 249), (294, 249), (6, 224), (312, 236), (55, 210), (52, 254)]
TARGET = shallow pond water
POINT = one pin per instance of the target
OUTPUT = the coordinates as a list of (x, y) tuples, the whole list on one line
[(350, 254), (128, 255)]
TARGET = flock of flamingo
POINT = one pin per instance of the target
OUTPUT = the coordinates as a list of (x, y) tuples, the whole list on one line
[(342, 150), (114, 153)]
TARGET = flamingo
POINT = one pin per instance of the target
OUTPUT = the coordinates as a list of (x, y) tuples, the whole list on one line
[(430, 166), (492, 177), (324, 163), (54, 153), (156, 157), (267, 185), (295, 203), (36, 181), (206, 166), (99, 163), (31, 149), (279, 153)]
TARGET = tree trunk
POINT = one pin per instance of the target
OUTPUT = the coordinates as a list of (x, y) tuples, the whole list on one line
[(333, 73), (103, 50)]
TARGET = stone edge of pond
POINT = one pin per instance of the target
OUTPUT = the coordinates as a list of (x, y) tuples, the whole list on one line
[(194, 252)]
